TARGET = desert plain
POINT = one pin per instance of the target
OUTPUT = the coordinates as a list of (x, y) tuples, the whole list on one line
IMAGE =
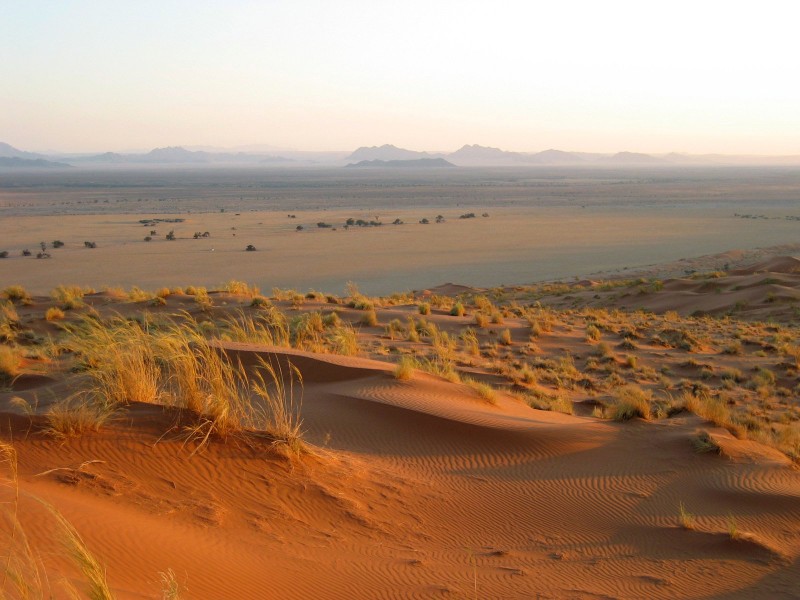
[(590, 392)]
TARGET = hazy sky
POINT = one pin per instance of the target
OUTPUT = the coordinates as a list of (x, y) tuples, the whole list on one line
[(600, 75)]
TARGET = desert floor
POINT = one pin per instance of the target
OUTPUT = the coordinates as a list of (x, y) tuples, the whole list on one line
[(634, 436)]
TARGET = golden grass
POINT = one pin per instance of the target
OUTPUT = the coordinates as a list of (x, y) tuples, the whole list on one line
[(70, 296), (405, 368), (54, 314), (240, 288), (631, 401), (484, 390), (685, 518), (175, 365), (17, 293), (77, 414), (9, 363)]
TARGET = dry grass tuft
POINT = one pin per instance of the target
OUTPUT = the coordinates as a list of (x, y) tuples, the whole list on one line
[(9, 363), (54, 314), (631, 401), (76, 415)]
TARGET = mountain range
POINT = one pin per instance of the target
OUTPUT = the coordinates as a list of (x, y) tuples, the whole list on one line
[(466, 156)]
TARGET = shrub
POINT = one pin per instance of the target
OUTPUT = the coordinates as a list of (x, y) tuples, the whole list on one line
[(505, 337), (481, 320), (370, 319), (424, 308), (58, 244), (250, 248), (4, 254)]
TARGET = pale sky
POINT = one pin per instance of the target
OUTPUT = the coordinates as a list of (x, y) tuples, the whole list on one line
[(596, 76)]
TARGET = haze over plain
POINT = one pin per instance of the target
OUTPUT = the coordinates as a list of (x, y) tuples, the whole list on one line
[(701, 78)]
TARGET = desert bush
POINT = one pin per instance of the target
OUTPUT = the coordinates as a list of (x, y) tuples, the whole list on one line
[(481, 320), (505, 337)]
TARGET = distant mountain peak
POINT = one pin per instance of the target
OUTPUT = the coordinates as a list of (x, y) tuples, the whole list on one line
[(412, 163), (386, 152)]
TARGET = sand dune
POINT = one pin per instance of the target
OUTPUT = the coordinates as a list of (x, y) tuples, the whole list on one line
[(418, 488), (423, 487)]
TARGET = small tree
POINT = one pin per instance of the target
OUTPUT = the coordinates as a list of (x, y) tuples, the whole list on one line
[(250, 248), (171, 235)]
